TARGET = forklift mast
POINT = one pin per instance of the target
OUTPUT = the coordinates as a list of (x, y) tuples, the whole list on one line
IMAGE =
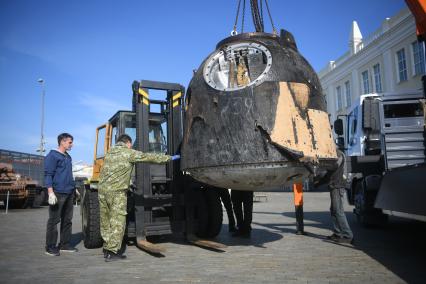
[(144, 199)]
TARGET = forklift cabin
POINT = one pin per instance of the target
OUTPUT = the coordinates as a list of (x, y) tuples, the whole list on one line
[(161, 200)]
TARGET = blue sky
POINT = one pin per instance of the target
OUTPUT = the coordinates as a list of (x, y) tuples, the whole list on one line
[(89, 52)]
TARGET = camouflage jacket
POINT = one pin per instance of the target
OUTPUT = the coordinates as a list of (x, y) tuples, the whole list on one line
[(118, 165)]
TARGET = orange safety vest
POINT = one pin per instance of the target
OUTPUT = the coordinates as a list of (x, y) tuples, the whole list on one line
[(298, 194)]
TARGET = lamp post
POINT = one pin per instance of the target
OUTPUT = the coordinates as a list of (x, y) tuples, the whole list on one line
[(41, 148)]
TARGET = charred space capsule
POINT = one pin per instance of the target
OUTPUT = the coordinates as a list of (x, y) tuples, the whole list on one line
[(256, 117)]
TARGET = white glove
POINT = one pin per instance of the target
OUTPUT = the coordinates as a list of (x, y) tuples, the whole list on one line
[(52, 199)]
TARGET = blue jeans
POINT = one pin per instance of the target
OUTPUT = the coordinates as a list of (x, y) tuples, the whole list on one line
[(338, 217)]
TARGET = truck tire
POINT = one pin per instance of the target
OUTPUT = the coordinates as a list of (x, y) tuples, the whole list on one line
[(90, 216), (209, 214), (367, 215), (40, 198), (16, 204)]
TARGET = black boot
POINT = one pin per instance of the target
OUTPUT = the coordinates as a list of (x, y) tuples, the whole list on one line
[(111, 256), (232, 228), (299, 220)]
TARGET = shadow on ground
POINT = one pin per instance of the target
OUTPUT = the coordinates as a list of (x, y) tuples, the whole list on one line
[(399, 245)]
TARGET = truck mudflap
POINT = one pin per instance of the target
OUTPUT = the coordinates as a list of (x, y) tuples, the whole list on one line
[(403, 192)]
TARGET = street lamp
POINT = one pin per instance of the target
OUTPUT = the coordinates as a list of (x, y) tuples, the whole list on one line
[(41, 148)]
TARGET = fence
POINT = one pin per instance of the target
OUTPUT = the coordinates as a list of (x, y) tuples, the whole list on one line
[(25, 164)]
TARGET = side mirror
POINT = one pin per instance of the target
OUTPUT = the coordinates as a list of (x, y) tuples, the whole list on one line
[(338, 127), (340, 142)]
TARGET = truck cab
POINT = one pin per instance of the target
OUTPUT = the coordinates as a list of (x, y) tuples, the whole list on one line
[(382, 134)]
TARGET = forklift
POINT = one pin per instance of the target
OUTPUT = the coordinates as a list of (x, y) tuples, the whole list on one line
[(162, 199)]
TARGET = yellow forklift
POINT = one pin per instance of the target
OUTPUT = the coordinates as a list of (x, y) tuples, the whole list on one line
[(162, 199)]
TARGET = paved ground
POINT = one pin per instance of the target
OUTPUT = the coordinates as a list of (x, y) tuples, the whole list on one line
[(274, 254)]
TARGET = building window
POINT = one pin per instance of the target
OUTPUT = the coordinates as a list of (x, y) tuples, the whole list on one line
[(419, 58), (402, 65), (339, 98), (348, 93), (365, 82), (377, 78)]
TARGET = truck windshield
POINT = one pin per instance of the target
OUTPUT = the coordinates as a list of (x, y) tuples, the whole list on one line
[(403, 110), (352, 126)]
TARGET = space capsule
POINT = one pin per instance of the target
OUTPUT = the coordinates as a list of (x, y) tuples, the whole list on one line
[(256, 117)]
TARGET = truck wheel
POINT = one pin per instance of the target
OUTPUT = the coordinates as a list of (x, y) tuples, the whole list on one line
[(16, 204), (209, 214), (91, 220), (367, 215), (40, 198)]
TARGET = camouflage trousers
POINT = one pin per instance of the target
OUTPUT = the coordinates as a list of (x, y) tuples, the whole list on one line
[(113, 211)]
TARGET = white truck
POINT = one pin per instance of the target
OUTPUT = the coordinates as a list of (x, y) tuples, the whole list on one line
[(384, 139)]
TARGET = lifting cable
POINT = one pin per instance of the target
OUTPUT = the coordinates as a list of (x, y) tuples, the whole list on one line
[(257, 19), (274, 31), (234, 30), (257, 15)]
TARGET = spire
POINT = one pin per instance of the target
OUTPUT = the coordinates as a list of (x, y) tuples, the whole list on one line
[(355, 39)]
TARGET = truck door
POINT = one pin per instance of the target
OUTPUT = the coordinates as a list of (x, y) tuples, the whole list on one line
[(403, 128)]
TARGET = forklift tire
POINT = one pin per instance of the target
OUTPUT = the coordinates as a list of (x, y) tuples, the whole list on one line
[(215, 213), (210, 214), (202, 215), (367, 215), (91, 220)]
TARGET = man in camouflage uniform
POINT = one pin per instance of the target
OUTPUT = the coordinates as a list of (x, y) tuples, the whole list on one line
[(113, 185)]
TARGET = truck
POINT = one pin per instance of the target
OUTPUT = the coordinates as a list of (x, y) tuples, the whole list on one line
[(383, 135), (21, 179)]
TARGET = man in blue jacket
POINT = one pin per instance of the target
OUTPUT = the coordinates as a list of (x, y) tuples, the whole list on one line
[(61, 187)]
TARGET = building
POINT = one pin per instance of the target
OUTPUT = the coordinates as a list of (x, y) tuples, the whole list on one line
[(391, 60)]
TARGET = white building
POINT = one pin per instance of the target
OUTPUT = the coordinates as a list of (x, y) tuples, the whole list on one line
[(388, 61)]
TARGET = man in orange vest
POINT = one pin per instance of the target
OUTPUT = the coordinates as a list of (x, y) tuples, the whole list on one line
[(298, 205)]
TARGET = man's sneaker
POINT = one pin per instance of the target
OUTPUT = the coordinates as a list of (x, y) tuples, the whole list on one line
[(68, 249), (346, 240), (334, 237), (53, 251), (111, 256)]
